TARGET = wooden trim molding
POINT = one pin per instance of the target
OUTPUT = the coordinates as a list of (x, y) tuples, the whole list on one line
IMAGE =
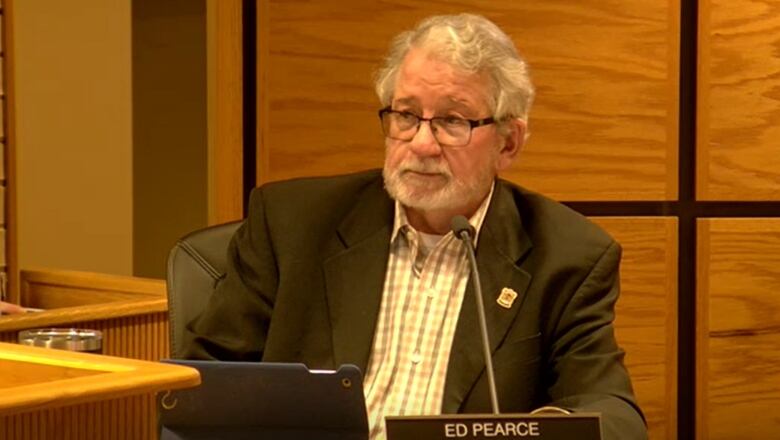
[(51, 289), (263, 107), (12, 262), (225, 111)]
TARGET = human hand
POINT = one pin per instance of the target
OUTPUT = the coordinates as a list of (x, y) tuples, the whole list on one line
[(10, 309)]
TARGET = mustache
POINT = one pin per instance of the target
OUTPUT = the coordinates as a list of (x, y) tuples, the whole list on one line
[(425, 166)]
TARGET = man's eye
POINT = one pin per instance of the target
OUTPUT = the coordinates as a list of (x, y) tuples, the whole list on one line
[(406, 116), (453, 121)]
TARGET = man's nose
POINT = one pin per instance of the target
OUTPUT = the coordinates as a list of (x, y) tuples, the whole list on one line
[(424, 143)]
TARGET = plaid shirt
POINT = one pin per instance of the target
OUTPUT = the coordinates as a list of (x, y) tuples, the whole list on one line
[(423, 293)]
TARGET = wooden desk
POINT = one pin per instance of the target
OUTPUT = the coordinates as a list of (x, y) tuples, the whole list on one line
[(50, 394), (132, 313)]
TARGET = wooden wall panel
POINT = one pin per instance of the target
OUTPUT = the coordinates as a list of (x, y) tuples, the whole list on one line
[(738, 100), (604, 126), (738, 331), (646, 316), (225, 110), (130, 418)]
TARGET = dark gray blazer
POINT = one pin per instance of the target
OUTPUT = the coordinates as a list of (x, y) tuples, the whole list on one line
[(305, 282)]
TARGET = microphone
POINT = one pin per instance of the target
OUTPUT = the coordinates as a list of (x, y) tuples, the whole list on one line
[(464, 231)]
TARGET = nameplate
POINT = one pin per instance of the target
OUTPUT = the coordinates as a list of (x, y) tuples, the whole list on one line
[(582, 426)]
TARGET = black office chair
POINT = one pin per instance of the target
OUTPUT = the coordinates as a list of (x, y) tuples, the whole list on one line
[(195, 264)]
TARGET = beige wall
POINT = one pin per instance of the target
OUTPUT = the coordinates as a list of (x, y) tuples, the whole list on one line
[(73, 94), (169, 128)]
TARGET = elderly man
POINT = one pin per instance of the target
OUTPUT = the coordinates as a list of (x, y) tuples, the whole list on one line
[(363, 268)]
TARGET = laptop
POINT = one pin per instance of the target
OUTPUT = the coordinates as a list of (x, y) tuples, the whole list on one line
[(260, 400)]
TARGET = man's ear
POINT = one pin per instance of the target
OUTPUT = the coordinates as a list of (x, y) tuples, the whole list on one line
[(513, 142)]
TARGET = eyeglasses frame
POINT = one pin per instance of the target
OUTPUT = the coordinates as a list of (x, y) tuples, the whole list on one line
[(473, 123)]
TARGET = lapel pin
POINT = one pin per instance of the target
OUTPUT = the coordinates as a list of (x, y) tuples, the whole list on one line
[(506, 298)]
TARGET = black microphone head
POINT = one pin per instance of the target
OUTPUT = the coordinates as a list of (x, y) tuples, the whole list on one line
[(460, 225)]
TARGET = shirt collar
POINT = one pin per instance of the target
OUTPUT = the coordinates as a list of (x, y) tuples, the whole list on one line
[(401, 221)]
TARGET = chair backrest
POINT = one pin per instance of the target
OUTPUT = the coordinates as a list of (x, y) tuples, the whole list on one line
[(195, 264)]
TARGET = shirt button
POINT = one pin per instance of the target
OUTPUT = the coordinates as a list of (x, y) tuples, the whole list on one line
[(416, 357), (430, 293)]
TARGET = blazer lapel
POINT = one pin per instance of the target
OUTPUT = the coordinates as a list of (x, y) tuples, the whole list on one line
[(355, 273), (502, 243)]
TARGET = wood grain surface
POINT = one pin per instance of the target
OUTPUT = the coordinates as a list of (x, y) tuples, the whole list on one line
[(84, 313), (15, 373), (604, 126), (738, 154), (55, 288), (129, 418), (646, 314), (225, 111), (133, 318), (117, 403), (131, 312), (738, 330), (10, 175), (115, 378)]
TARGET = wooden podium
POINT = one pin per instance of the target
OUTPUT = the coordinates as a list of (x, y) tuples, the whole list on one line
[(131, 313), (52, 394)]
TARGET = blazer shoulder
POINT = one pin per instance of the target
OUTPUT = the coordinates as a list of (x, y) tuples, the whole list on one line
[(312, 209), (552, 224)]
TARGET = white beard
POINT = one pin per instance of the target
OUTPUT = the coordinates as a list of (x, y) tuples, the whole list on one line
[(442, 193)]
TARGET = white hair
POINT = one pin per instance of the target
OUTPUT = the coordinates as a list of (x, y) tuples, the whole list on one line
[(471, 43)]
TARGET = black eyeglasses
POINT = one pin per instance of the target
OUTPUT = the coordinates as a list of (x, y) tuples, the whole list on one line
[(450, 131)]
